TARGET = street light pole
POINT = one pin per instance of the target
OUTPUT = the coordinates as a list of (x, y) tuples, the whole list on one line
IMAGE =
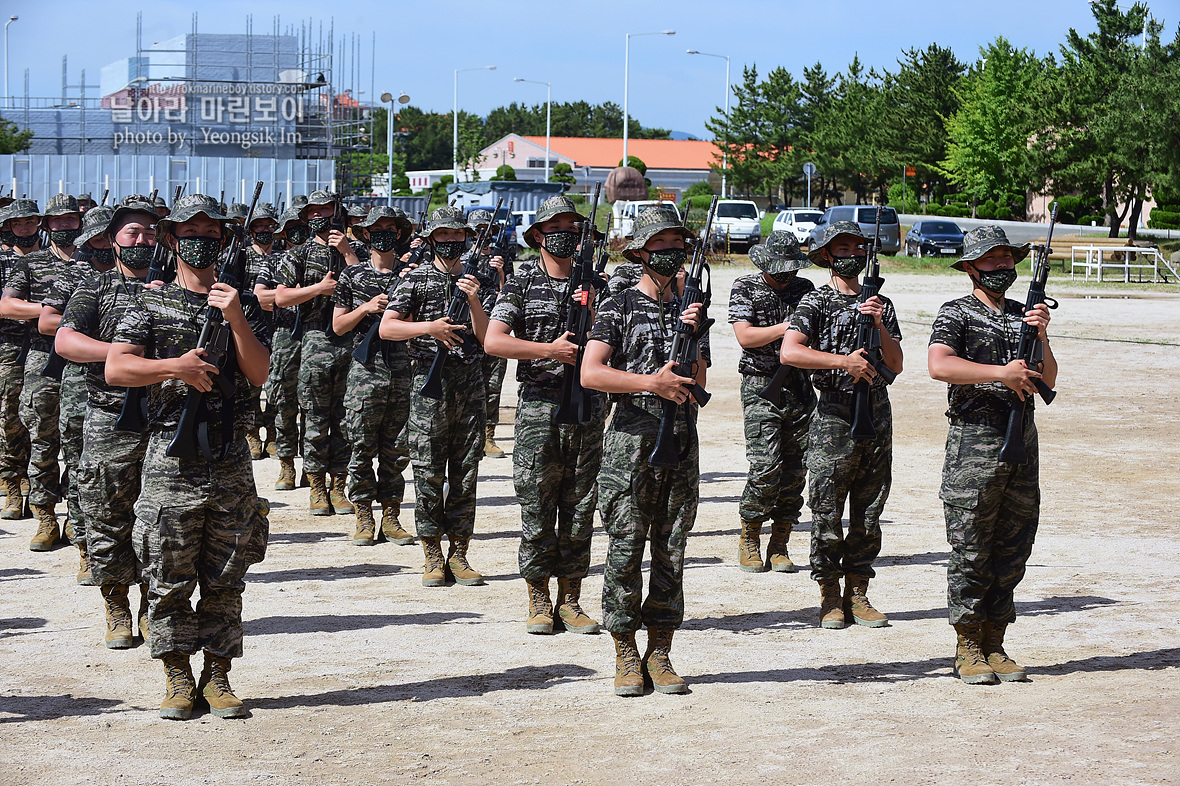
[(548, 109), (11, 19), (388, 98), (724, 153), (455, 115), (626, 82)]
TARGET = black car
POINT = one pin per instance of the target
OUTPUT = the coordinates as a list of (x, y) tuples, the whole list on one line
[(934, 239)]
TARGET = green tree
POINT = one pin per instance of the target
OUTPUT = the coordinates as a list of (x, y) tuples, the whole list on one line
[(504, 172), (12, 139), (563, 173), (635, 163), (922, 96)]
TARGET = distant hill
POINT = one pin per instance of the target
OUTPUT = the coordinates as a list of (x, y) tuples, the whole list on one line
[(682, 135)]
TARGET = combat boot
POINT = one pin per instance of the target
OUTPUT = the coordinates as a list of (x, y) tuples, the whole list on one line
[(143, 611), (286, 479), (317, 503), (458, 565), (215, 689), (750, 548), (1005, 668), (856, 603), (540, 607), (338, 498), (628, 669), (776, 550), (569, 593), (391, 528), (657, 664), (365, 534), (304, 481), (255, 444), (970, 664), (85, 577), (14, 506), (831, 609), (435, 574), (118, 613), (180, 690), (67, 529), (490, 448), (48, 533)]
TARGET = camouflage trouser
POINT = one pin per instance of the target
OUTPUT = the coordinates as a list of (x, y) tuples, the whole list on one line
[(840, 469), (282, 387), (70, 421), (14, 453), (554, 470), (109, 481), (776, 445), (992, 510), (197, 523), (39, 406), (493, 376), (640, 503), (323, 380), (377, 406), (446, 444)]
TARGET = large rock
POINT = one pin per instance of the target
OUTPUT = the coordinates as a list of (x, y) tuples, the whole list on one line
[(627, 183)]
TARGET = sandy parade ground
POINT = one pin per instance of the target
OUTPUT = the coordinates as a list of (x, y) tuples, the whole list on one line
[(355, 673)]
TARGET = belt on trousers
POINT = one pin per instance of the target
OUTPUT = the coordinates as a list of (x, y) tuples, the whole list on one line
[(651, 405), (995, 420)]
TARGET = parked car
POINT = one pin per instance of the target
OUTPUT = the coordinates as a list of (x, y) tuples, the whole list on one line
[(934, 239), (623, 215), (737, 223), (866, 216), (524, 220), (799, 221), (500, 219)]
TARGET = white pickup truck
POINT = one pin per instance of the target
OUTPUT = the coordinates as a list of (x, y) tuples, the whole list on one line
[(623, 215)]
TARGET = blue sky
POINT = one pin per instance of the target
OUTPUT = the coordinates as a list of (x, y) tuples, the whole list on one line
[(576, 46)]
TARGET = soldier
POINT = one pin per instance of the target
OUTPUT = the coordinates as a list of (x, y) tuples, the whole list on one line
[(161, 207), (554, 466), (822, 337), (446, 434), (27, 285), (258, 261), (85, 203), (309, 280), (628, 356), (108, 473), (760, 307), (491, 266), (377, 402), (19, 222), (991, 506), (198, 521), (357, 214)]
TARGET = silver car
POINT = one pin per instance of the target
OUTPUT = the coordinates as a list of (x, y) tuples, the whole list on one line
[(866, 217)]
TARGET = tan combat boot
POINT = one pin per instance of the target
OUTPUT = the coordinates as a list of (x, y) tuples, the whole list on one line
[(435, 574), (215, 689), (657, 665), (180, 690), (14, 506), (48, 533), (366, 528), (628, 669), (831, 608), (286, 479), (255, 444), (1005, 668), (338, 497), (458, 565), (540, 607), (970, 664), (391, 528), (317, 498), (490, 448), (750, 548), (67, 529), (143, 611), (856, 603), (118, 613), (85, 577), (776, 550), (569, 593)]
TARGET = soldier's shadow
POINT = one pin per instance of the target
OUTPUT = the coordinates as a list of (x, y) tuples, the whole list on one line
[(327, 573), (19, 626), (33, 708), (1035, 608), (753, 621), (336, 623)]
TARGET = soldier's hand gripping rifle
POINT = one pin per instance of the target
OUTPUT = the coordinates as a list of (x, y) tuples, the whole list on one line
[(216, 338), (574, 406), (367, 349), (335, 267), (868, 338), (686, 348), (457, 311), (1032, 351)]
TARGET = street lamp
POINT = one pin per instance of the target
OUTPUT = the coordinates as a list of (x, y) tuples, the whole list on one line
[(388, 99), (626, 81), (724, 153), (11, 19), (455, 166), (548, 107)]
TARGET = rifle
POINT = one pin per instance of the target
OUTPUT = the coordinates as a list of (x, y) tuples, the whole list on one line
[(868, 338), (456, 311), (133, 416), (574, 405), (217, 341), (501, 247), (152, 196), (55, 364), (335, 266), (105, 192), (1032, 351), (367, 349), (685, 353)]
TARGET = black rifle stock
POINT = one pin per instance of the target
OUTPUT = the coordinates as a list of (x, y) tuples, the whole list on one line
[(1032, 351), (105, 193), (501, 247), (574, 406), (868, 338), (685, 343)]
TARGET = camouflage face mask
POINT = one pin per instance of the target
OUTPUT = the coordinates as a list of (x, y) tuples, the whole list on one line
[(198, 252), (997, 281), (136, 257), (383, 239), (25, 241), (102, 256), (7, 237), (450, 249), (848, 267), (64, 237), (319, 225), (562, 244), (666, 261), (298, 235), (784, 278), (264, 238)]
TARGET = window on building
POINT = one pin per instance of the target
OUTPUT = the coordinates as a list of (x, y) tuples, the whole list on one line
[(539, 163)]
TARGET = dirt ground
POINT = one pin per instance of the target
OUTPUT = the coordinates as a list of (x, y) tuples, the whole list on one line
[(354, 673)]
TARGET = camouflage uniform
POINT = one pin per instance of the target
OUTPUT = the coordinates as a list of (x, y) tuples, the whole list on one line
[(197, 522), (493, 367), (554, 466), (257, 266), (625, 276), (14, 341), (282, 384), (839, 467), (991, 507)]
